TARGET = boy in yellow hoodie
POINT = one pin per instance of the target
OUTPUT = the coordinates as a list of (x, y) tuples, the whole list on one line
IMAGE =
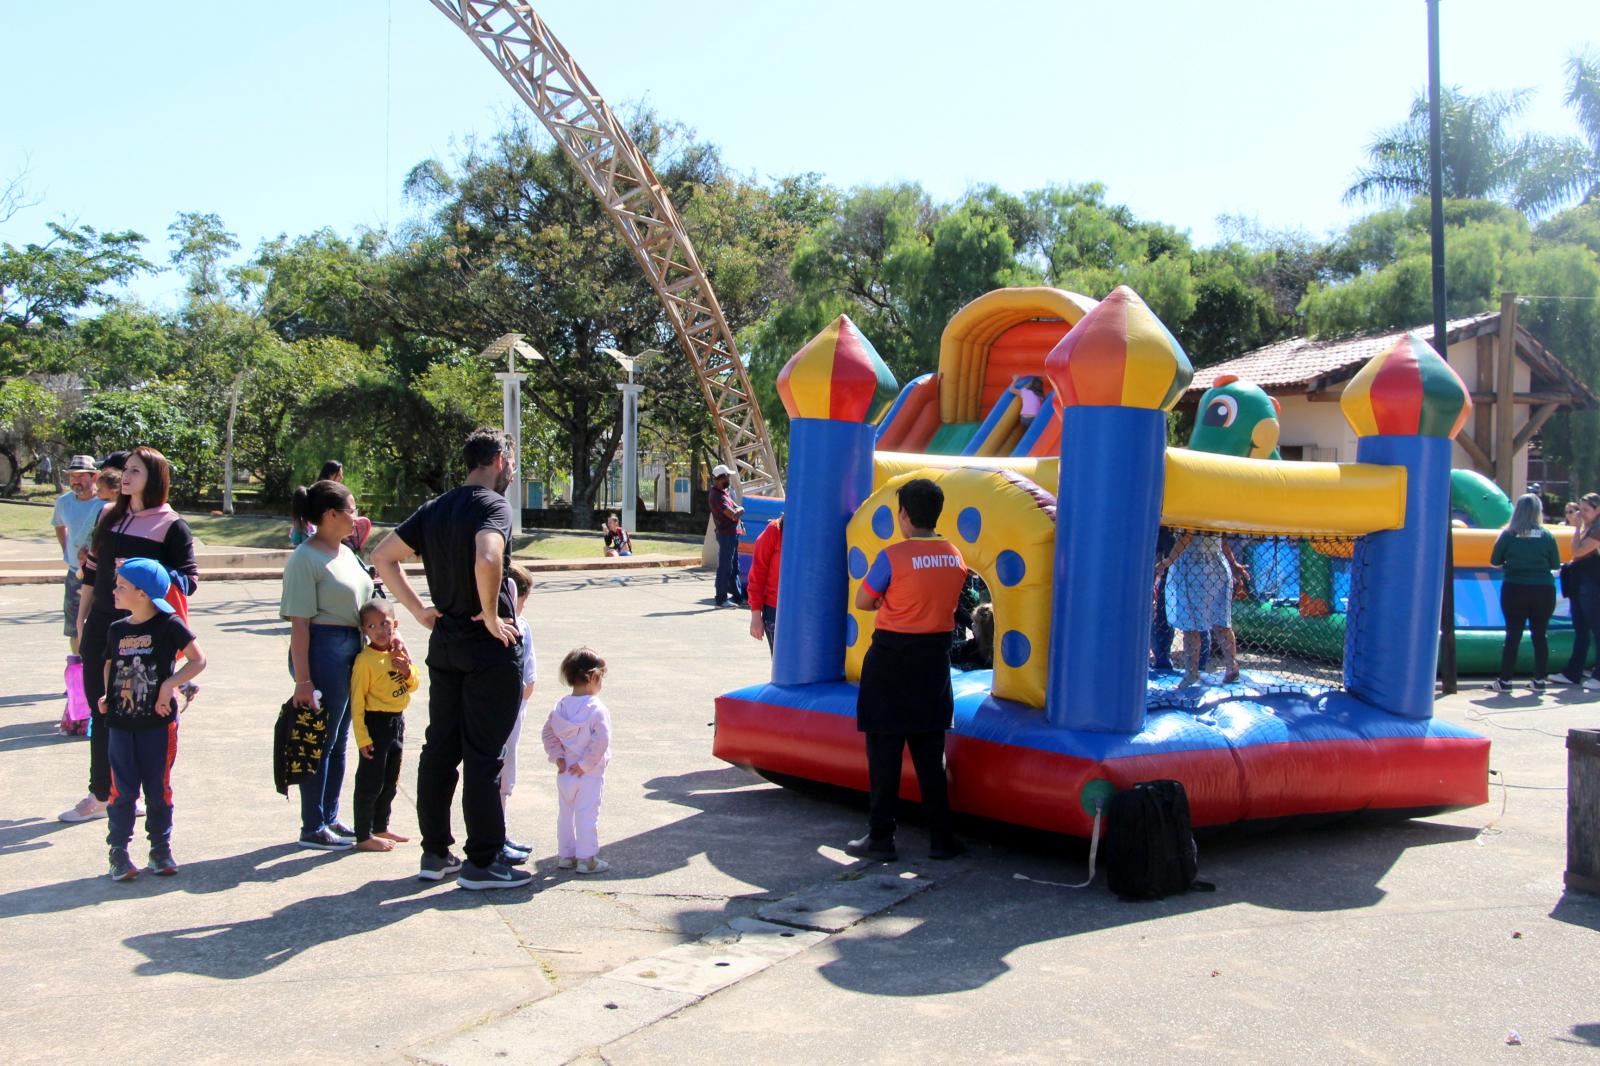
[(381, 684)]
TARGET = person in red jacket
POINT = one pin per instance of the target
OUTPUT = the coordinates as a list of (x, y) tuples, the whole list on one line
[(762, 584)]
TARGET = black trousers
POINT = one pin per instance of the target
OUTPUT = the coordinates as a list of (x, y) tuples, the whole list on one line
[(378, 777), (883, 775), (474, 688), (1530, 605), (96, 630)]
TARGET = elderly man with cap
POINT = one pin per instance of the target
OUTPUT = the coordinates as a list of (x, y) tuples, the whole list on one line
[(725, 517), (73, 518)]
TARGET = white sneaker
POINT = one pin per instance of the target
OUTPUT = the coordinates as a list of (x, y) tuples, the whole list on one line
[(566, 862), (87, 810), (598, 865), (1563, 679), (1591, 684)]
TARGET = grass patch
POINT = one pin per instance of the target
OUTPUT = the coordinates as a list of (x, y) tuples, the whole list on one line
[(25, 520), (565, 544), (240, 530)]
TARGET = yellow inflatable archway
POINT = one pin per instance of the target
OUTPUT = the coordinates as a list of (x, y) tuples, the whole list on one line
[(1229, 494), (1005, 527), (964, 345)]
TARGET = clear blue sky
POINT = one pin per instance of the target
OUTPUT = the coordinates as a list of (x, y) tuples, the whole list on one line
[(297, 114)]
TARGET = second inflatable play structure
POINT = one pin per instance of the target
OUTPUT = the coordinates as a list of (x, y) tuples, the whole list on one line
[(1058, 514)]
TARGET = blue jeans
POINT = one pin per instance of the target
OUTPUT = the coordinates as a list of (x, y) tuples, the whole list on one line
[(141, 761), (727, 567), (1585, 618), (333, 653)]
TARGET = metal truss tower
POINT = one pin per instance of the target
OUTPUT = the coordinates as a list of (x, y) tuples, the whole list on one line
[(525, 52)]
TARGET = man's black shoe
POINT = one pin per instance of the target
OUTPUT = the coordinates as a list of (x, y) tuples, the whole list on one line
[(868, 848), (495, 875), (508, 857), (949, 849), (438, 867)]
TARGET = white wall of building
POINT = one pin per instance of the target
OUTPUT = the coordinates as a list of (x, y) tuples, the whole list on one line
[(1321, 430)]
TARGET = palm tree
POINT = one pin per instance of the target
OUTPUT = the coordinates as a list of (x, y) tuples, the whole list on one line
[(1483, 159), (1583, 96)]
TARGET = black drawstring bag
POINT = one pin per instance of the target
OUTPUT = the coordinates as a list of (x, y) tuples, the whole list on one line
[(298, 740)]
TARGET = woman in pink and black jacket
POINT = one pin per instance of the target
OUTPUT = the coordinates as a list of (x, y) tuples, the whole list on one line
[(138, 525)]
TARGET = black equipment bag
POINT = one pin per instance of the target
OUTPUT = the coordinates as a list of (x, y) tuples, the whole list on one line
[(1150, 850)]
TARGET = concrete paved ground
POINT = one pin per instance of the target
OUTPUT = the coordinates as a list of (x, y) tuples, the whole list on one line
[(1393, 943)]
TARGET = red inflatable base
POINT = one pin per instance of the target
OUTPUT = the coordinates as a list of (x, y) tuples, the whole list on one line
[(1045, 789)]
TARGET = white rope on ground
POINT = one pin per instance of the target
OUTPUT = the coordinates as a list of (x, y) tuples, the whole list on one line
[(1094, 848)]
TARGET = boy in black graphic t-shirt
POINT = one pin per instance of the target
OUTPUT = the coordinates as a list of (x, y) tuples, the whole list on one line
[(141, 711)]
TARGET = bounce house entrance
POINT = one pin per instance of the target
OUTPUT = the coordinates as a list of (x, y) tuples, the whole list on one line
[(1281, 601)]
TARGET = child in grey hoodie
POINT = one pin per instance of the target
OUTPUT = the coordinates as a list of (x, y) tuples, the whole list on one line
[(577, 737)]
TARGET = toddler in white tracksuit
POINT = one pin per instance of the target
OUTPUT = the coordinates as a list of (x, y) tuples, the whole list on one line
[(577, 736)]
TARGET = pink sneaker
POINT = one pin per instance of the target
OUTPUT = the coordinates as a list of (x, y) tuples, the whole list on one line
[(87, 810)]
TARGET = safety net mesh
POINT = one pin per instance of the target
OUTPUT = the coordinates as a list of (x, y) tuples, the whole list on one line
[(1279, 601)]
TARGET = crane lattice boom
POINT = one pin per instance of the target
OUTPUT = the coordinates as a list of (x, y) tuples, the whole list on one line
[(527, 54)]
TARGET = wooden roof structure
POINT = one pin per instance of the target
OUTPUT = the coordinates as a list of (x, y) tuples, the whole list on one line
[(1301, 365), (1319, 369)]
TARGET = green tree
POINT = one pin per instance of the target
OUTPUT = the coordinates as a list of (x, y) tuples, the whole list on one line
[(29, 415), (43, 286), (125, 345), (899, 266), (156, 416), (517, 243), (1399, 293), (1482, 158), (273, 436), (1489, 249), (1567, 321), (225, 338)]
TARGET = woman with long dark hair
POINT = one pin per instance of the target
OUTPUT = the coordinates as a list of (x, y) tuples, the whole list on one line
[(137, 525), (324, 586), (1527, 554), (1583, 576)]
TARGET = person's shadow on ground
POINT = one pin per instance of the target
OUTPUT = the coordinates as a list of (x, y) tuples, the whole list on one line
[(22, 834), (985, 913), (771, 839), (20, 735), (249, 948), (264, 865)]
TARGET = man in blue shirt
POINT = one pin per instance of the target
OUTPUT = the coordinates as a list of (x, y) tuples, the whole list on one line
[(73, 518)]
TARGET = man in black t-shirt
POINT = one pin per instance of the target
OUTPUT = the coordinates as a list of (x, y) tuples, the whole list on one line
[(474, 659)]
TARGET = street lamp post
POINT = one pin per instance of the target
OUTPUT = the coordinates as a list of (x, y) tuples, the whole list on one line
[(630, 434), (512, 345)]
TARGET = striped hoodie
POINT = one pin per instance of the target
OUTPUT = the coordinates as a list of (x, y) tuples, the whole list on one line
[(154, 533)]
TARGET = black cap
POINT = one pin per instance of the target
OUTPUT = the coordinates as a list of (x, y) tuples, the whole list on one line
[(115, 461)]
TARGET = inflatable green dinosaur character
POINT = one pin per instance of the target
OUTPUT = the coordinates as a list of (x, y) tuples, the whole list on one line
[(1236, 418)]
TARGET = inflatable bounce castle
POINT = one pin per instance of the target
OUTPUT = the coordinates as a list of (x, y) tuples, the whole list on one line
[(1060, 517)]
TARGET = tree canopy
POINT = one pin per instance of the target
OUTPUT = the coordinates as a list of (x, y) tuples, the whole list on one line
[(364, 345)]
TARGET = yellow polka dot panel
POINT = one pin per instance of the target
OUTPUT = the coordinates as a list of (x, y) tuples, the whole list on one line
[(1004, 525)]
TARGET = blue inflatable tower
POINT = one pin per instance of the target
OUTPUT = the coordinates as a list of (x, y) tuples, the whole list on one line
[(831, 388), (1116, 375), (1406, 406)]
